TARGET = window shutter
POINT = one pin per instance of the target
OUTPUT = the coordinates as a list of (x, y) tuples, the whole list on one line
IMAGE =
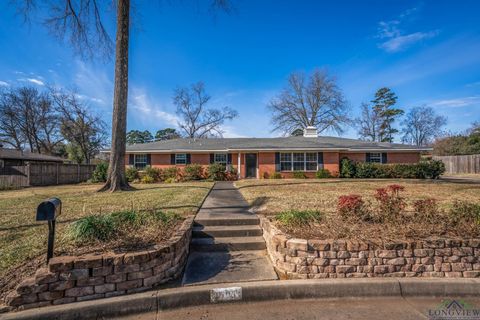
[(277, 162), (189, 158), (172, 158), (212, 158), (229, 158), (384, 157), (367, 157), (320, 160), (131, 159), (149, 159)]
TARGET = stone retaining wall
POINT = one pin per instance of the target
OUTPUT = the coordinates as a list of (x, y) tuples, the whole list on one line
[(311, 259), (80, 278)]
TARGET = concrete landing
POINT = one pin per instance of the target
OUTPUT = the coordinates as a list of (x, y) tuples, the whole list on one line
[(233, 266), (227, 243)]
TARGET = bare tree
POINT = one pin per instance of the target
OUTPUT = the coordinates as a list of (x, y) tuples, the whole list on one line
[(368, 124), (421, 126), (197, 120), (81, 22), (28, 117), (84, 131), (316, 101)]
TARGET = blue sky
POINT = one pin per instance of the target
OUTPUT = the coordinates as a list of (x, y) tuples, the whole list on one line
[(428, 52)]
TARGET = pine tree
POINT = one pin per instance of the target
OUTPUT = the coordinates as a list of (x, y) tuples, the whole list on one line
[(383, 104)]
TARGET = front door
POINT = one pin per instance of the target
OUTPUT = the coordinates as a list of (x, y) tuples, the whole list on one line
[(251, 165)]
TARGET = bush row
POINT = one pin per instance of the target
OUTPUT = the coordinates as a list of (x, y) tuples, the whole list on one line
[(429, 169)]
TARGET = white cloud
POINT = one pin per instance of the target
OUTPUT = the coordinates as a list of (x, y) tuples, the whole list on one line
[(395, 39), (150, 112), (94, 84), (4, 84), (400, 42), (230, 132), (36, 81), (457, 102)]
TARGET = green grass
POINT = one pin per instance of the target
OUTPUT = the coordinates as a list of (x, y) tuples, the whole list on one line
[(21, 238)]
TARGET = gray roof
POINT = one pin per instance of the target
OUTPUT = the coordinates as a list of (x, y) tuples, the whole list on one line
[(284, 143), (27, 156)]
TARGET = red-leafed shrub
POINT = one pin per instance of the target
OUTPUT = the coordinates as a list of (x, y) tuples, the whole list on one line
[(391, 203), (353, 206), (425, 208)]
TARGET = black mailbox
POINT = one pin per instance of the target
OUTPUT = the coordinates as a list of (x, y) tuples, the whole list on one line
[(48, 211)]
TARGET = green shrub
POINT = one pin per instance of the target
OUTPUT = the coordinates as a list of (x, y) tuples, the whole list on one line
[(216, 172), (131, 174), (170, 173), (347, 168), (430, 169), (94, 227), (298, 218), (151, 174), (193, 172), (170, 180), (275, 175), (464, 211), (299, 175), (100, 173), (323, 174)]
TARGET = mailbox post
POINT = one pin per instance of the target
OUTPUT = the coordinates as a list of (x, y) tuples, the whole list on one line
[(48, 211)]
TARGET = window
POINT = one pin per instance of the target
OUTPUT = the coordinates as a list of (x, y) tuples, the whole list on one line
[(140, 161), (220, 158), (180, 158), (298, 161), (285, 161), (376, 157)]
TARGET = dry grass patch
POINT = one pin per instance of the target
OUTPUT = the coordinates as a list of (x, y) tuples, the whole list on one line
[(273, 197)]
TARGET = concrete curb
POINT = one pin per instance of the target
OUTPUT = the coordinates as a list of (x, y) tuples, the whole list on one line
[(253, 291)]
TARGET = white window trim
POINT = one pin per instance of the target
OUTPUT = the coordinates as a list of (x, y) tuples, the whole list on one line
[(304, 161), (221, 162), (183, 161), (143, 163), (377, 157)]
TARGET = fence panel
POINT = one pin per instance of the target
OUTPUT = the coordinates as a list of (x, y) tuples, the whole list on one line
[(461, 164), (44, 174)]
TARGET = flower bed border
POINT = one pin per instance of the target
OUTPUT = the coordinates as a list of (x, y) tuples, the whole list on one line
[(313, 259), (69, 279)]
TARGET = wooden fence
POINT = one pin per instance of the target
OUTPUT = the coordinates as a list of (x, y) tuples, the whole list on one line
[(461, 164), (44, 174)]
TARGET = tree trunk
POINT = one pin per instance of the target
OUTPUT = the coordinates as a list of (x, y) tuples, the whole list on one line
[(116, 169)]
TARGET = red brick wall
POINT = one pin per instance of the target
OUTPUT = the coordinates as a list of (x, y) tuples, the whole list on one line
[(403, 157), (266, 164), (357, 157), (200, 158), (331, 162)]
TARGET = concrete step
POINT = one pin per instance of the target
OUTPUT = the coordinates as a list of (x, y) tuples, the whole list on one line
[(227, 221), (226, 231), (227, 244)]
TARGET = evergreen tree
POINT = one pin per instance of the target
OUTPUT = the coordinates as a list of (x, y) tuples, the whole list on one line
[(383, 104)]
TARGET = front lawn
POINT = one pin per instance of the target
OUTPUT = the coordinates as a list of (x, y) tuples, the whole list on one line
[(293, 203), (23, 241)]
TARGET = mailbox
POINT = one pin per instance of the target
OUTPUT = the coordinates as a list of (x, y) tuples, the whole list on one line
[(49, 210)]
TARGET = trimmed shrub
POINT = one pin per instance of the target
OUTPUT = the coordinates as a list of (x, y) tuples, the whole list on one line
[(299, 175), (231, 173), (100, 173), (132, 174), (276, 175), (425, 209), (170, 173), (323, 174), (217, 172), (147, 179), (353, 206), (298, 218), (464, 211), (391, 203), (347, 168), (154, 174), (370, 170), (193, 172)]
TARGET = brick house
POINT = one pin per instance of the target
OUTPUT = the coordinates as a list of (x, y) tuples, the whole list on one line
[(260, 157)]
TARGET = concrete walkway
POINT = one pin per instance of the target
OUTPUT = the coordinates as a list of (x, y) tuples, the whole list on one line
[(227, 243)]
